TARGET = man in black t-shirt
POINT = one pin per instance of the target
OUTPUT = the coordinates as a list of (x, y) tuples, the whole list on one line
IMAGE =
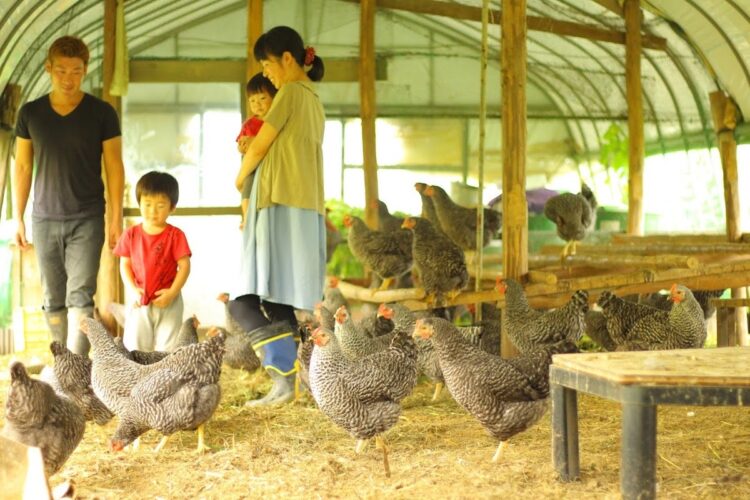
[(66, 134)]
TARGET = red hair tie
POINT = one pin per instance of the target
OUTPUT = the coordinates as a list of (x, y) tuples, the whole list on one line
[(309, 55)]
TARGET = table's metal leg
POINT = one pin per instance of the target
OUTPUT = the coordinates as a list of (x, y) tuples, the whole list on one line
[(565, 432), (638, 469)]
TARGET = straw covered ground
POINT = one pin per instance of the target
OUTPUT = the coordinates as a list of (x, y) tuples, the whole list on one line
[(437, 449)]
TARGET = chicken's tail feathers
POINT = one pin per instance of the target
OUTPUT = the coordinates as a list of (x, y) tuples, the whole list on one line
[(606, 299), (403, 342), (580, 301), (588, 194)]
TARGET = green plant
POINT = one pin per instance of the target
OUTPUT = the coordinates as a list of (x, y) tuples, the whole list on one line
[(342, 263), (614, 156)]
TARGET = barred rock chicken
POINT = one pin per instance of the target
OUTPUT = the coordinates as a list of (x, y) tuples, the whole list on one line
[(180, 392), (596, 329), (439, 262), (354, 342), (36, 416), (387, 222), (304, 354), (332, 296), (528, 328), (664, 302), (460, 223), (428, 207), (491, 327), (239, 353), (574, 215), (73, 373), (620, 315), (378, 324), (387, 254), (506, 396), (683, 327), (363, 396)]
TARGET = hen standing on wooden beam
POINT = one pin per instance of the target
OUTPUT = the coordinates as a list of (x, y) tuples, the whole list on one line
[(284, 238)]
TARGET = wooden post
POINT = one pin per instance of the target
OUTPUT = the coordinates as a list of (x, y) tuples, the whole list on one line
[(367, 108), (724, 116), (109, 286), (254, 30), (635, 115), (515, 210)]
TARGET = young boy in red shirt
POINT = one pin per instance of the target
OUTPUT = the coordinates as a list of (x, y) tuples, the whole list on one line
[(154, 264)]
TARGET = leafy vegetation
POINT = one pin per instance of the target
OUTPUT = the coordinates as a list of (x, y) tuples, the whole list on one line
[(614, 156), (342, 263)]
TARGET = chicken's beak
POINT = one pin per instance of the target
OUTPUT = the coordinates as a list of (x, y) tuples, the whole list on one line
[(675, 295), (421, 330)]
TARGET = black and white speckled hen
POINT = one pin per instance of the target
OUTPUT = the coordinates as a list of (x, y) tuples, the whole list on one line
[(36, 416), (180, 392), (238, 350), (683, 327), (439, 262), (621, 315), (387, 254), (506, 396), (460, 223), (387, 222), (363, 396), (528, 328), (428, 207), (574, 215), (73, 374), (596, 329), (378, 324), (332, 296), (664, 302), (355, 343)]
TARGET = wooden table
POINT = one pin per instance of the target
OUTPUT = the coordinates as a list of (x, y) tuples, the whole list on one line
[(640, 381)]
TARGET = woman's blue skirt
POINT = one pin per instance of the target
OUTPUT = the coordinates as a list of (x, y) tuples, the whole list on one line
[(283, 254)]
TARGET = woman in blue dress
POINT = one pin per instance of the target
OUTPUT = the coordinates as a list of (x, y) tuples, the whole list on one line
[(283, 255)]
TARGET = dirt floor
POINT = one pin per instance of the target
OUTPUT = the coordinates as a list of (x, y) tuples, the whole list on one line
[(436, 450)]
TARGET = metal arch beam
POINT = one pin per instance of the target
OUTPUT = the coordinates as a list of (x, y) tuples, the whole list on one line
[(726, 38), (461, 40), (43, 40), (585, 78), (622, 63), (8, 47), (195, 22), (539, 81), (92, 27), (739, 10), (169, 10), (688, 81)]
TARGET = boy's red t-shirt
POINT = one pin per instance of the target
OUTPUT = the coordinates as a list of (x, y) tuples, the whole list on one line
[(250, 128), (153, 257)]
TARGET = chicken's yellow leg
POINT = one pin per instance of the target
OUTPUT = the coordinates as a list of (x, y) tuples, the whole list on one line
[(135, 445), (438, 388), (202, 448), (161, 444), (499, 451), (386, 284), (360, 445), (380, 443)]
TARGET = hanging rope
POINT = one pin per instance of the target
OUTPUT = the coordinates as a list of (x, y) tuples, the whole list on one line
[(480, 165)]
